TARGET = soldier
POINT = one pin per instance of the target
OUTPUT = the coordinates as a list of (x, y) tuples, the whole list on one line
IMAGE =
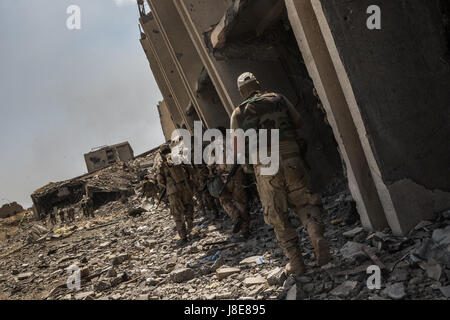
[(199, 174), (61, 215), (290, 187), (52, 216), (90, 207), (84, 207), (234, 198), (71, 214), (150, 189), (174, 178)]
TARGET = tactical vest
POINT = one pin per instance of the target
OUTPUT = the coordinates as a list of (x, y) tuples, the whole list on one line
[(270, 111), (175, 175)]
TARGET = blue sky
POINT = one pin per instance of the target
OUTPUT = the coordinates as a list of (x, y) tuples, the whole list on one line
[(63, 92)]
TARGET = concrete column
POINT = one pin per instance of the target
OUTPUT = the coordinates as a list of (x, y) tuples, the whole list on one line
[(167, 122), (198, 17), (188, 62), (161, 82), (395, 82), (168, 69), (321, 69)]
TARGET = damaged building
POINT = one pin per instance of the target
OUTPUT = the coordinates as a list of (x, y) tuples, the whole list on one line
[(109, 184), (10, 209), (374, 102), (108, 155)]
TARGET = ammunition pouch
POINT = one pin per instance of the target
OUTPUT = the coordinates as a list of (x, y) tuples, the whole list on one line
[(215, 186)]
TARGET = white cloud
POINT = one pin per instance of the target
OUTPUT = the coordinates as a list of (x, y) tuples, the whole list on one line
[(121, 3)]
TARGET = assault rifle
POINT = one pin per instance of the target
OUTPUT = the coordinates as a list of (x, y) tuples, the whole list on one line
[(229, 177), (163, 193)]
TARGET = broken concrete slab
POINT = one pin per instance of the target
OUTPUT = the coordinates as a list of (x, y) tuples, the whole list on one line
[(345, 289), (276, 276), (395, 291), (352, 233), (182, 275), (223, 273), (248, 282)]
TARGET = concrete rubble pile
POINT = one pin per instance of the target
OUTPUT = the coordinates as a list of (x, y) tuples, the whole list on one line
[(137, 257)]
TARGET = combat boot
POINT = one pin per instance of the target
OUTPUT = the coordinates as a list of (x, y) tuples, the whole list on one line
[(189, 225), (237, 226), (320, 244), (296, 265)]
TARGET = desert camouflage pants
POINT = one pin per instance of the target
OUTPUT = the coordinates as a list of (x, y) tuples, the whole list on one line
[(206, 201), (182, 210), (234, 200), (289, 188)]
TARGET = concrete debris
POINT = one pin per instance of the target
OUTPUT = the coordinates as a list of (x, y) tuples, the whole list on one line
[(248, 282), (395, 291), (276, 276), (352, 233), (445, 291), (344, 290), (434, 271), (353, 251), (182, 275), (223, 273), (292, 293), (129, 258)]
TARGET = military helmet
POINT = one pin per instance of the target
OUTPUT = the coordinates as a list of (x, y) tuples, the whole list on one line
[(245, 79), (164, 149)]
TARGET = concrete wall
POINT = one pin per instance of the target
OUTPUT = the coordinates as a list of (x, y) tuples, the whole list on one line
[(321, 69), (396, 83), (168, 70), (188, 62), (199, 18), (167, 122), (162, 84)]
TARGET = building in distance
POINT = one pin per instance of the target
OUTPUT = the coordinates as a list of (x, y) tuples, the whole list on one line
[(108, 155)]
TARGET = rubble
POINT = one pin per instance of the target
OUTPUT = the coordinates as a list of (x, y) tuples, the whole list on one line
[(124, 258), (395, 291)]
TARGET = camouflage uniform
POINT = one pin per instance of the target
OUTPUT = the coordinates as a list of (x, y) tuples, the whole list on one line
[(52, 216), (199, 177), (150, 189), (88, 207), (61, 215), (175, 179), (290, 187), (71, 214), (234, 199)]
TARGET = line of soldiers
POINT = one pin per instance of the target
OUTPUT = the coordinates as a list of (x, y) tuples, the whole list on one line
[(289, 188), (87, 205)]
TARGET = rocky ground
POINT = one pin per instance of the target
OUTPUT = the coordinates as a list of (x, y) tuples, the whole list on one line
[(124, 253)]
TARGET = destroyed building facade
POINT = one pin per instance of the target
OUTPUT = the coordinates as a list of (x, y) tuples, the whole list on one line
[(385, 93), (107, 156), (10, 209)]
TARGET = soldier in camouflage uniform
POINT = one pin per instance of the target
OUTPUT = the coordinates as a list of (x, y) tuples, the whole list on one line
[(52, 216), (290, 187), (234, 199), (150, 189), (62, 214), (199, 177), (87, 205), (71, 214), (175, 178)]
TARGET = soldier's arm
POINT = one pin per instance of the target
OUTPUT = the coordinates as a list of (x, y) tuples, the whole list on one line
[(293, 113)]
